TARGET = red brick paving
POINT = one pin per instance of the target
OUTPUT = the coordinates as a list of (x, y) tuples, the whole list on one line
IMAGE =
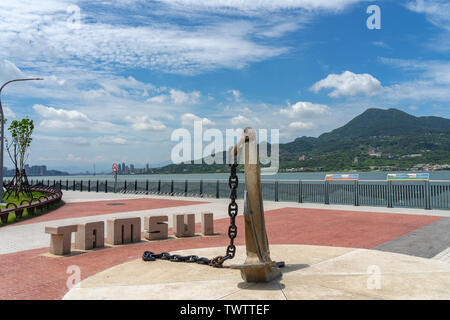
[(94, 208), (341, 228), (28, 275)]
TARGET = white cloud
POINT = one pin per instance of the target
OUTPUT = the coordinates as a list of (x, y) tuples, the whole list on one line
[(348, 84), (436, 11), (259, 6), (61, 119), (158, 99), (418, 91), (158, 45), (302, 125), (108, 140), (145, 124), (78, 141), (306, 110), (432, 80), (188, 120), (9, 114), (59, 114), (441, 43), (381, 44), (71, 157), (434, 70), (236, 94), (9, 71), (40, 33), (84, 141), (241, 120), (180, 97), (176, 97)]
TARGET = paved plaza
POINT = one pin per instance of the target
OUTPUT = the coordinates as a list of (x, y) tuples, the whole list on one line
[(408, 244)]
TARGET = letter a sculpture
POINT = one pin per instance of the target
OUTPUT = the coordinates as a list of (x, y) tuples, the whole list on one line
[(258, 266)]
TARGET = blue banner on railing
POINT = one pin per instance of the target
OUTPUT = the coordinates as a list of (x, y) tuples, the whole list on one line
[(408, 177), (342, 177)]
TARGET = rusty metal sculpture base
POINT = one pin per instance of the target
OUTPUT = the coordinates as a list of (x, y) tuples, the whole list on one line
[(260, 272)]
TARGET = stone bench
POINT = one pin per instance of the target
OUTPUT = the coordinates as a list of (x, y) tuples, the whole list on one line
[(207, 223), (90, 235), (61, 238), (123, 231), (156, 227), (184, 225)]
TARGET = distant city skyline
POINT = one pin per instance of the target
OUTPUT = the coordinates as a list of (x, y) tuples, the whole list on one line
[(35, 170), (41, 170)]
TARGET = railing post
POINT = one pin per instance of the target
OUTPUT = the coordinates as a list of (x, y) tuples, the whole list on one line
[(96, 189), (106, 186), (135, 186), (48, 183), (356, 187), (427, 195), (276, 191), (327, 193), (125, 186), (73, 185), (89, 185), (185, 187), (217, 189), (171, 187), (81, 185), (201, 188), (300, 191), (159, 186), (67, 184), (54, 183), (146, 187), (390, 195), (60, 185)]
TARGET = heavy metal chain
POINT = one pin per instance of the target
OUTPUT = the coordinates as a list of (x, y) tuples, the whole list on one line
[(233, 183), (216, 262)]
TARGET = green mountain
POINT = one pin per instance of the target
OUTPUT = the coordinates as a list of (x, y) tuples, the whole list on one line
[(391, 122), (376, 139)]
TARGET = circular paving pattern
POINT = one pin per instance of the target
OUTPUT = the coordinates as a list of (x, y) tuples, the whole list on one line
[(311, 272)]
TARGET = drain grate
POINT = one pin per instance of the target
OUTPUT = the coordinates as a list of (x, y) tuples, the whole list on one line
[(115, 204)]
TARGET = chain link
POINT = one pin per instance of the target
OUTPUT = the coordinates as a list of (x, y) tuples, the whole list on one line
[(217, 262)]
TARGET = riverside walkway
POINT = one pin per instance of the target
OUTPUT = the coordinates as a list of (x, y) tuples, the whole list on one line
[(27, 272)]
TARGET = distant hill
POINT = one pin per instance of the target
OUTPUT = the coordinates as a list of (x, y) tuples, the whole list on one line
[(376, 139), (391, 122)]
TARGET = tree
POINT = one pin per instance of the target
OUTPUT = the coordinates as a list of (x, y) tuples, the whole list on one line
[(17, 148)]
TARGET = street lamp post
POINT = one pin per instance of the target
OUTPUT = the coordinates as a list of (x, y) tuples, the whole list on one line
[(3, 132)]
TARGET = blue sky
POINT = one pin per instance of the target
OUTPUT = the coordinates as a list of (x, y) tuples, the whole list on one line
[(121, 78)]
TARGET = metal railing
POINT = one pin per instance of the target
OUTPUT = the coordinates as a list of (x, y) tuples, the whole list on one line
[(429, 195), (50, 196)]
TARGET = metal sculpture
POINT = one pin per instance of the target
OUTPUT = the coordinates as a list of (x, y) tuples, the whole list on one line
[(258, 266)]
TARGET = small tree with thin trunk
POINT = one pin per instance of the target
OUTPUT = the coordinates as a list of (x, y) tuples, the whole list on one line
[(17, 149)]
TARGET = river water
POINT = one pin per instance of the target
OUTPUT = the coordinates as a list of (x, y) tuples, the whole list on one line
[(382, 176)]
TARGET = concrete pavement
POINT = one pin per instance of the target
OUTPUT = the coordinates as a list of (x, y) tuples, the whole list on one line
[(28, 272), (311, 272)]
